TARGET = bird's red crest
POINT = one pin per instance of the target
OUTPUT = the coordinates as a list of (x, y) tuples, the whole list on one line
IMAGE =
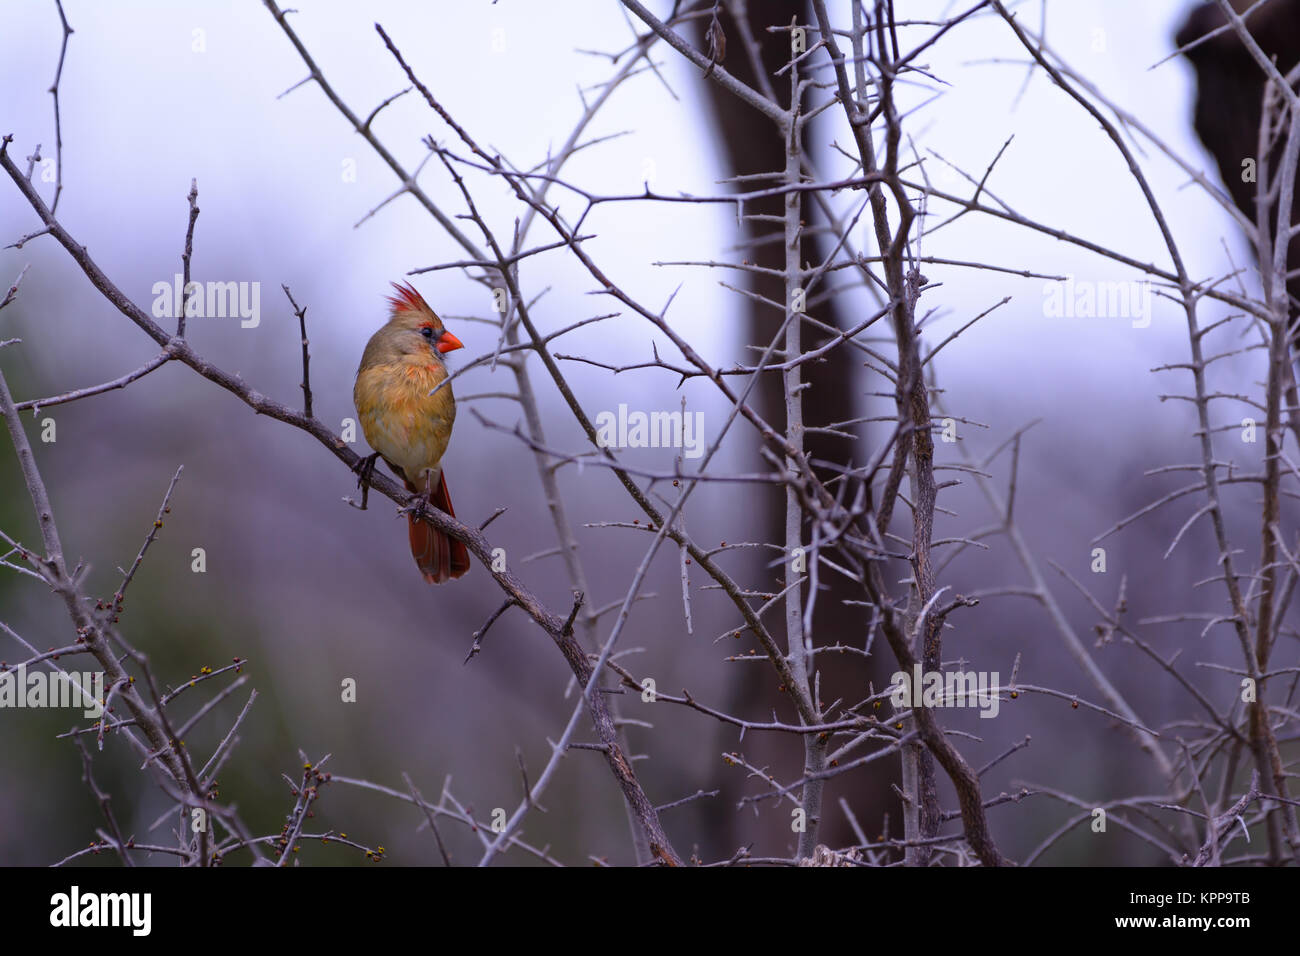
[(408, 300)]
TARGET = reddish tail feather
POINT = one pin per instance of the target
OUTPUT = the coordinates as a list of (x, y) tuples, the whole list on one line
[(439, 557)]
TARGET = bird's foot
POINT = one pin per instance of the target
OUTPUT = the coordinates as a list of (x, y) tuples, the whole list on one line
[(418, 508), (365, 469)]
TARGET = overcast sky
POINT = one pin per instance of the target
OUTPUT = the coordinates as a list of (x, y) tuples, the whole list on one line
[(157, 93)]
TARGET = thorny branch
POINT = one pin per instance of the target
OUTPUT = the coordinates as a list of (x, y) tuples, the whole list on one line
[(859, 523)]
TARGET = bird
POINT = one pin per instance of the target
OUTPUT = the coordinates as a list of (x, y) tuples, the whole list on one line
[(408, 426)]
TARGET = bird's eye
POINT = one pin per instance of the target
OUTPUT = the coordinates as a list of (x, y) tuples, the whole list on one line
[(427, 332)]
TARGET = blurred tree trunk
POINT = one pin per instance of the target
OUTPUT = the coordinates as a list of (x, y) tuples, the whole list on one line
[(1230, 92), (750, 145)]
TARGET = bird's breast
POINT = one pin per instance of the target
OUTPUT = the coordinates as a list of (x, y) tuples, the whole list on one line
[(399, 417)]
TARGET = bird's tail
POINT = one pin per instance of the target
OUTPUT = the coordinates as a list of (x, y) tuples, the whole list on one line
[(439, 556)]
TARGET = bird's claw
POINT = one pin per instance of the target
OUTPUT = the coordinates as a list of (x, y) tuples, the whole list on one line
[(418, 508), (365, 469)]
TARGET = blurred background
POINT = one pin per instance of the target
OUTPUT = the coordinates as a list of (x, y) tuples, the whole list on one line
[(312, 592)]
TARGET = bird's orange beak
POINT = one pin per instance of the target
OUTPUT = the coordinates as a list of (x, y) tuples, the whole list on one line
[(448, 343)]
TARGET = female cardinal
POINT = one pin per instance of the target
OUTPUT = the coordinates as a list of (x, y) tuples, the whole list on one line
[(408, 427)]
